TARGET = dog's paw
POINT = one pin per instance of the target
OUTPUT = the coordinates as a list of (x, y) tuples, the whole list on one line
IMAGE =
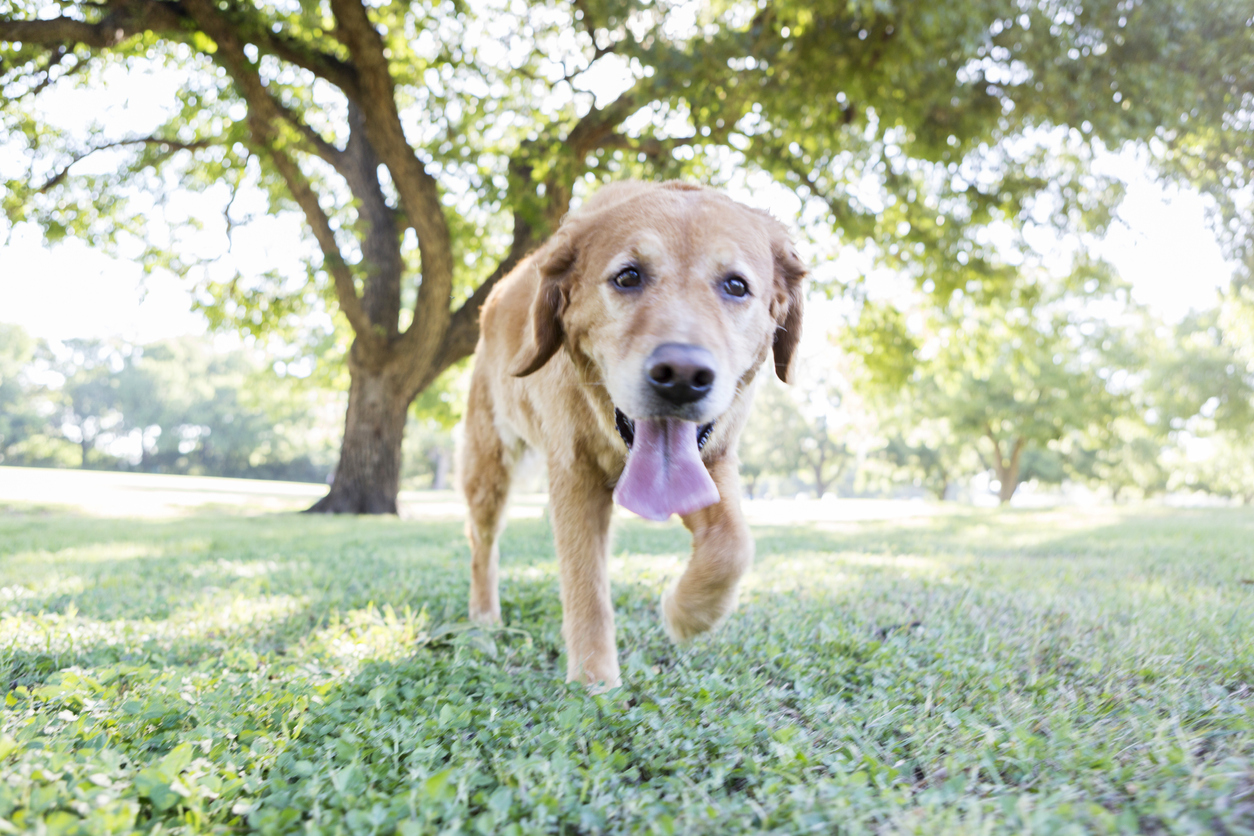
[(486, 618), (684, 623), (602, 687), (599, 677)]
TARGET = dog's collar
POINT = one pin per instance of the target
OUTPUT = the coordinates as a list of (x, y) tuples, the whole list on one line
[(627, 429)]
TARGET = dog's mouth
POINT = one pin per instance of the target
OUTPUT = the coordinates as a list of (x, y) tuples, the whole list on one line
[(627, 430), (664, 473)]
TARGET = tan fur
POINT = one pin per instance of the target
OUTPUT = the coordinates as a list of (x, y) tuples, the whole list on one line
[(561, 347)]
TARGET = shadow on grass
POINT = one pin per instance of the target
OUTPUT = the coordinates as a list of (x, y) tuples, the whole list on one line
[(872, 664), (90, 591)]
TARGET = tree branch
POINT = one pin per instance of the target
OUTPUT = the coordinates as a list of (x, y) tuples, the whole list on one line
[(54, 59), (264, 114), (599, 123), (419, 192), (321, 64), (333, 155), (648, 145), (124, 20), (172, 144), (129, 18), (463, 330), (345, 288), (377, 228)]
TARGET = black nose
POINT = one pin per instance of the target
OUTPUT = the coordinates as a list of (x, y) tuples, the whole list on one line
[(681, 373)]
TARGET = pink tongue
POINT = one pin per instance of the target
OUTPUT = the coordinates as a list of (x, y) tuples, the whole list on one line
[(664, 473)]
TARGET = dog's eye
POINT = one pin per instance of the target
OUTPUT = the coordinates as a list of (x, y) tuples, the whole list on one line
[(628, 279), (735, 286)]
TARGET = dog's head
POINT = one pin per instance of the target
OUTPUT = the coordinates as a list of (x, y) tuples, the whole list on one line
[(674, 293)]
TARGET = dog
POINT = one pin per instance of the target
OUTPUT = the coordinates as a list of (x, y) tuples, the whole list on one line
[(624, 351)]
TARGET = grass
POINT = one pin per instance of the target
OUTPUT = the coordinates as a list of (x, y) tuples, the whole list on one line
[(1025, 672)]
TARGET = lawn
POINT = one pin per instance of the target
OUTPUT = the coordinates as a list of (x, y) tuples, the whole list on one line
[(975, 672)]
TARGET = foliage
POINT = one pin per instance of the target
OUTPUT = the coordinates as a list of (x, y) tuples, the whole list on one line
[(88, 406), (221, 413), (1011, 379), (26, 412), (1200, 373), (994, 672), (789, 440), (428, 454), (928, 456), (1131, 461), (1224, 467), (16, 353), (910, 151), (179, 406), (1202, 392)]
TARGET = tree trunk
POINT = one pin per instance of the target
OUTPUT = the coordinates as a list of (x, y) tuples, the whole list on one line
[(442, 467), (820, 484), (1008, 472), (367, 478)]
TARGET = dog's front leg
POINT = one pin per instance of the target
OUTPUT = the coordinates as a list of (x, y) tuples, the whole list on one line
[(581, 505), (722, 550)]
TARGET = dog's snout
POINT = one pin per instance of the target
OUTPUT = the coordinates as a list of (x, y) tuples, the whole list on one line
[(681, 373)]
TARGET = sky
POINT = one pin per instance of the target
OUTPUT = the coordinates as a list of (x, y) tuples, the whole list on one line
[(1161, 243)]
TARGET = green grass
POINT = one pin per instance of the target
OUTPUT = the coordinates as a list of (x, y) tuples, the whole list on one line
[(1026, 672)]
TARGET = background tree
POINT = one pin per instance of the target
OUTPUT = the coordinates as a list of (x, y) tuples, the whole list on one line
[(429, 445), (24, 410), (176, 406), (790, 437), (429, 147), (1127, 460), (88, 403), (1008, 378), (191, 409), (1201, 389), (928, 455), (1225, 468)]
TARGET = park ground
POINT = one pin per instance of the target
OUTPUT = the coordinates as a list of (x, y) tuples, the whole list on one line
[(190, 656)]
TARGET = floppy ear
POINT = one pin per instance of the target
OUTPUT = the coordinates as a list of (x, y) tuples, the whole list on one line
[(555, 263), (787, 305)]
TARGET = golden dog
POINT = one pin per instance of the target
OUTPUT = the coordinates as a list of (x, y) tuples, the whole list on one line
[(624, 351)]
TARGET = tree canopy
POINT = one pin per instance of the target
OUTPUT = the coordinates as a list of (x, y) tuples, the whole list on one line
[(176, 406), (429, 145)]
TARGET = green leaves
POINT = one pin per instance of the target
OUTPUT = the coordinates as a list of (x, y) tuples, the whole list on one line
[(893, 117), (161, 784), (1027, 382)]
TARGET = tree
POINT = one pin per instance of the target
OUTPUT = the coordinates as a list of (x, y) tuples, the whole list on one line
[(1128, 460), (786, 440), (1201, 387), (190, 409), (428, 147), (19, 417), (929, 455), (1008, 379), (89, 408), (177, 406), (429, 444)]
